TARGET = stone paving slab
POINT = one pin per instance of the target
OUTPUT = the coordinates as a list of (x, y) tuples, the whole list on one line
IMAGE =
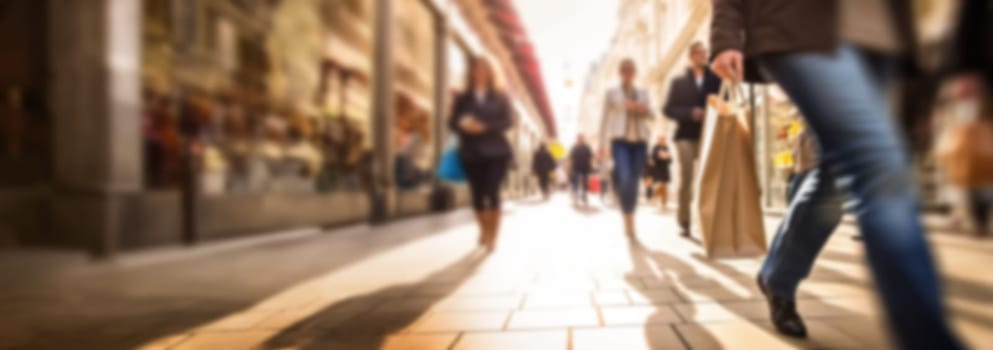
[(640, 315), (761, 335), (537, 340), (554, 318), (628, 338)]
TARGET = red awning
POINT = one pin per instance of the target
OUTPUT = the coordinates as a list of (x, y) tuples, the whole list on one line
[(504, 16)]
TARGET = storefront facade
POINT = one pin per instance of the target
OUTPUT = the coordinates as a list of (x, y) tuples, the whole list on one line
[(202, 120)]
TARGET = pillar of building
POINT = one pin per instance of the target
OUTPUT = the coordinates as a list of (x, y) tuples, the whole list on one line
[(383, 95), (441, 78), (95, 100)]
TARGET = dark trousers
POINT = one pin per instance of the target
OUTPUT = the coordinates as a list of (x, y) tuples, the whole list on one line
[(543, 183), (981, 202), (581, 183), (485, 176)]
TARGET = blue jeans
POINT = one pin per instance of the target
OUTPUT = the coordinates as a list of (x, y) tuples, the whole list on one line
[(629, 163), (794, 186), (843, 97)]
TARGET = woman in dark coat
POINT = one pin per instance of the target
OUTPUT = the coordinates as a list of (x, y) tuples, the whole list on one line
[(480, 117)]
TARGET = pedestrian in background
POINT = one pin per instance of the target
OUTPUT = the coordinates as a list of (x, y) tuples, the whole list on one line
[(659, 162), (649, 180), (605, 170), (686, 105), (481, 116), (804, 161), (836, 63), (581, 165), (972, 62), (626, 127), (965, 151), (542, 165)]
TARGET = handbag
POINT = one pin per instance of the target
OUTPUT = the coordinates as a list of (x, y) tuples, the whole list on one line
[(727, 210), (450, 167)]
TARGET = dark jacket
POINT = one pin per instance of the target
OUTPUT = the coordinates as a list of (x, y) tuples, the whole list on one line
[(581, 158), (542, 163), (659, 166), (973, 43), (495, 112), (684, 95), (757, 27)]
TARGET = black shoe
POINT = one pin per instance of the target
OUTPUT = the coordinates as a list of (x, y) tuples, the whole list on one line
[(784, 315), (685, 230)]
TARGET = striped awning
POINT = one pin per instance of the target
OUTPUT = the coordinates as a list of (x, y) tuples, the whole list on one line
[(504, 16)]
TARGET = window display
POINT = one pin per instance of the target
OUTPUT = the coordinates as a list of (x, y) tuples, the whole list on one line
[(415, 74), (280, 111)]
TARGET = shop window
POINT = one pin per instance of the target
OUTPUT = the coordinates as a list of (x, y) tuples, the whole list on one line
[(415, 80), (267, 111)]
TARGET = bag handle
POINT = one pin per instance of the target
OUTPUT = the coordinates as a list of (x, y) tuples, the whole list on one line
[(731, 92)]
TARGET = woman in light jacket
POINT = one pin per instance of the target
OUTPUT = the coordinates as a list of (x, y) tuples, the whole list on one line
[(481, 116), (625, 129)]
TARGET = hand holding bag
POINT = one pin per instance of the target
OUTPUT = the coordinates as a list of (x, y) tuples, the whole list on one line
[(727, 210)]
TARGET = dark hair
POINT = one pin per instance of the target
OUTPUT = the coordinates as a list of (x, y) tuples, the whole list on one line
[(474, 62)]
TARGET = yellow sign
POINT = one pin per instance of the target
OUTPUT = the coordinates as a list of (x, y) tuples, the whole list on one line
[(783, 159), (796, 128), (556, 149)]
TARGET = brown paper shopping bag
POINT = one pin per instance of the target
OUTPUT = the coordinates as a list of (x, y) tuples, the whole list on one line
[(727, 211)]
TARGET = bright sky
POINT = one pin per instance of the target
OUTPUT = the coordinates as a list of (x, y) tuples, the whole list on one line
[(569, 36)]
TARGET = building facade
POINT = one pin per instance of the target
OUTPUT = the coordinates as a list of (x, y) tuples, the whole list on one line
[(140, 123), (656, 34)]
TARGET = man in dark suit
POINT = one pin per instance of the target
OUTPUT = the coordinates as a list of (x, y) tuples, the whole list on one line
[(686, 106)]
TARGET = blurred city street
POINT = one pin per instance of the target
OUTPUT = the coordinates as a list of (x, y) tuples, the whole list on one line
[(382, 174), (561, 278)]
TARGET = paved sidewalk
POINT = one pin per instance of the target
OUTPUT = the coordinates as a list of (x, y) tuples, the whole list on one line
[(563, 278)]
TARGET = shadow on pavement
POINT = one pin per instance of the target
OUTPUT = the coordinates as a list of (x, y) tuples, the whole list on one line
[(642, 261), (106, 306), (364, 322), (711, 291), (953, 287)]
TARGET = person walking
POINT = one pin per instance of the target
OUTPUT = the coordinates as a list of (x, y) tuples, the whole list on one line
[(836, 62), (605, 170), (659, 163), (542, 165), (480, 117), (626, 127), (581, 164), (972, 65), (686, 105)]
